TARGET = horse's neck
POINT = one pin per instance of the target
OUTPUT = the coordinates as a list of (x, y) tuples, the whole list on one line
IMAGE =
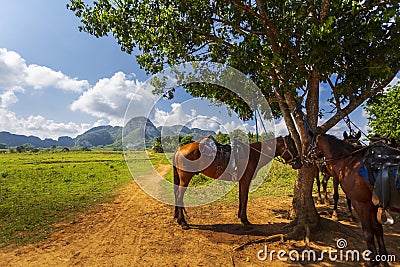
[(266, 151)]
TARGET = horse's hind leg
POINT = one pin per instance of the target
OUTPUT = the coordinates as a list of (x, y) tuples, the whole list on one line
[(179, 194), (335, 198), (319, 198), (367, 216), (325, 180)]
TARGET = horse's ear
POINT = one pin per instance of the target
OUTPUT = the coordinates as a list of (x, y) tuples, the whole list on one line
[(345, 135), (358, 135)]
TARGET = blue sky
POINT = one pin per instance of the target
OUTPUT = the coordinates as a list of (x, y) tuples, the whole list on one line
[(55, 80)]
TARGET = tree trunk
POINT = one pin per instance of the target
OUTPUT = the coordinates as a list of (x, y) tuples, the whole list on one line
[(303, 209)]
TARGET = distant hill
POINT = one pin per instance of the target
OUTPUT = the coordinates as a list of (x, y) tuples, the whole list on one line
[(135, 131), (98, 136), (183, 131), (18, 140)]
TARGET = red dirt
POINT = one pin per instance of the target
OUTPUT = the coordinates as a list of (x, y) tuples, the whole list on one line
[(137, 230)]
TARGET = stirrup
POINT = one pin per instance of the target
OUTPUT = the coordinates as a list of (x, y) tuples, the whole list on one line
[(384, 217), (375, 198)]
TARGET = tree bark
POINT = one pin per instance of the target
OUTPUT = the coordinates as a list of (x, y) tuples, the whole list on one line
[(303, 210)]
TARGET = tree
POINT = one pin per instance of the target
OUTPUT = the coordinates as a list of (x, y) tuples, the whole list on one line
[(222, 138), (384, 113), (288, 48), (186, 140), (157, 146)]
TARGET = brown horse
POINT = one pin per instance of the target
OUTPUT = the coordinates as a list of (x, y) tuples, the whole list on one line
[(345, 161), (259, 154), (327, 173)]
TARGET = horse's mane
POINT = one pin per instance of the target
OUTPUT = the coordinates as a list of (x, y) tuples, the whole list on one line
[(340, 148)]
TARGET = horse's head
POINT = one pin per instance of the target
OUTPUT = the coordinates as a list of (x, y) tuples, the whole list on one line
[(353, 139), (286, 149), (325, 146)]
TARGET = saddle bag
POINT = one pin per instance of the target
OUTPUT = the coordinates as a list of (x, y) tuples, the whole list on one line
[(383, 166)]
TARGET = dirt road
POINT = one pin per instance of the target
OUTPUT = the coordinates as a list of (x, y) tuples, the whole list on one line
[(137, 230)]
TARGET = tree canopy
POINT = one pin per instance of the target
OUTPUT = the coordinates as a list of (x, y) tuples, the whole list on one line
[(384, 113), (288, 48)]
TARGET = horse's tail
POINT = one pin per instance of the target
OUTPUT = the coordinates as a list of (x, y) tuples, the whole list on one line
[(176, 186)]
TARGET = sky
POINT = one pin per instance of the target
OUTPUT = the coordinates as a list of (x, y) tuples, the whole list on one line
[(57, 81)]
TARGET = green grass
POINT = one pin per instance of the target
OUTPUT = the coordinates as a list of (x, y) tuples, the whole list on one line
[(38, 190)]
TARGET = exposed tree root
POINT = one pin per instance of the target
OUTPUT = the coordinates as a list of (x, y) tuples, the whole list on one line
[(272, 238), (301, 231)]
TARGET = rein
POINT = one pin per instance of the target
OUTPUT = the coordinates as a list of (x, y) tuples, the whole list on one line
[(325, 160), (280, 160)]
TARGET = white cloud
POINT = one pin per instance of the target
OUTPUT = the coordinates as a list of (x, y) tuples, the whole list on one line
[(280, 128), (178, 116), (110, 97), (8, 98), (16, 74), (39, 126)]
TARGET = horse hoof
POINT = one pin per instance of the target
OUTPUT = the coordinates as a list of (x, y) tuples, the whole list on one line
[(319, 201), (335, 218)]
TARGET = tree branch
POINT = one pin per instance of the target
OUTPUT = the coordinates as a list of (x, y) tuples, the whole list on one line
[(354, 103)]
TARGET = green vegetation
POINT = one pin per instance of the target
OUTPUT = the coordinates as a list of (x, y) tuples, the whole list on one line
[(170, 143), (287, 48), (37, 190), (384, 113)]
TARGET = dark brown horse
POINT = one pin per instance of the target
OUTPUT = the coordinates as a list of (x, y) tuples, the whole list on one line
[(259, 154), (344, 160), (326, 172)]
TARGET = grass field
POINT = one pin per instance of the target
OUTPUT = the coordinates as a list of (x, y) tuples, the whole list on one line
[(39, 190)]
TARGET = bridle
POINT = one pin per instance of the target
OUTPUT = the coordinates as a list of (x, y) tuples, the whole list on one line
[(287, 150), (312, 157)]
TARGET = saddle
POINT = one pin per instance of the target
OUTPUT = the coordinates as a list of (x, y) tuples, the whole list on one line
[(209, 143), (222, 153), (382, 165)]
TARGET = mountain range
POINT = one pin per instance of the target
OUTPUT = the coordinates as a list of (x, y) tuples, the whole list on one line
[(134, 132)]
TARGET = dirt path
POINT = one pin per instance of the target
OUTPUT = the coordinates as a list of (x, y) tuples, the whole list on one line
[(137, 230)]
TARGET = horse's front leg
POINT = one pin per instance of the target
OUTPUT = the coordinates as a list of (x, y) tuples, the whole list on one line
[(349, 210), (366, 214), (335, 198), (244, 186), (378, 231)]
